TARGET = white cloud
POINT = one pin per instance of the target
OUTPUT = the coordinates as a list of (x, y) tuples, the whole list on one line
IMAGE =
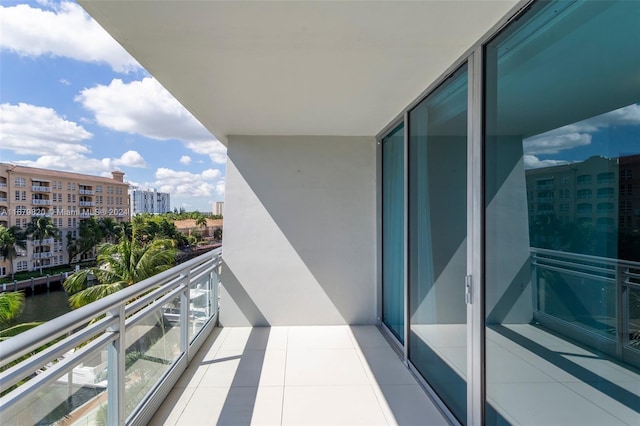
[(145, 108), (579, 134), (35, 130), (533, 162), (64, 31), (80, 163), (130, 159), (555, 141), (214, 149), (182, 183), (64, 81), (185, 159)]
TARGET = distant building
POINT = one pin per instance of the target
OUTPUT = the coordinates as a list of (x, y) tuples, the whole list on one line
[(218, 208), (149, 201), (67, 198)]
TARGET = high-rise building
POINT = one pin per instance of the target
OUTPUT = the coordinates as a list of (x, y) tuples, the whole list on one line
[(218, 208), (67, 198), (149, 201)]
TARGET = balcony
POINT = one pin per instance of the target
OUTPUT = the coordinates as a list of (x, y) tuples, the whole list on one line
[(42, 255), (85, 191), (85, 215), (3, 184), (45, 242), (86, 204), (3, 199), (39, 188), (40, 202), (161, 359)]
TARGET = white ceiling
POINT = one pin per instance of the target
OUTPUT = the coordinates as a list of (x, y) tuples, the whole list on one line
[(296, 67)]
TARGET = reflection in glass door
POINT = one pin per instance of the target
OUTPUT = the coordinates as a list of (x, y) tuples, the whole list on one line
[(438, 240), (393, 232), (562, 219)]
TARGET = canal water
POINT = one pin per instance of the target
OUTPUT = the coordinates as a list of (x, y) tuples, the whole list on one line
[(44, 306)]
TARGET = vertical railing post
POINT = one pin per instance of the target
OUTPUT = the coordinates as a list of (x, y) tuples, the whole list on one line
[(620, 311), (184, 316), (535, 288), (116, 369)]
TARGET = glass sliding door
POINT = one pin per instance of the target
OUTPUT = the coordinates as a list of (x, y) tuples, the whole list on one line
[(437, 240), (562, 218), (393, 245)]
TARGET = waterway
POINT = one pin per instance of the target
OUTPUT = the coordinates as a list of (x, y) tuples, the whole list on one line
[(44, 306)]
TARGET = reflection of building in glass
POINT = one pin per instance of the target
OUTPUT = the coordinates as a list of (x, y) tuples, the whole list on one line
[(595, 198)]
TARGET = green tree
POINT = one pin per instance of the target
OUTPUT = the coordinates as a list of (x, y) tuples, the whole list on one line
[(110, 229), (40, 228), (10, 238), (119, 266), (11, 305), (90, 235)]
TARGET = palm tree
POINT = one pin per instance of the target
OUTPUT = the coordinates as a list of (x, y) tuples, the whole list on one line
[(10, 238), (40, 228), (109, 227), (119, 266), (11, 305)]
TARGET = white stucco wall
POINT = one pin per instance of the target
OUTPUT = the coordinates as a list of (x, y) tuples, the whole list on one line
[(300, 231)]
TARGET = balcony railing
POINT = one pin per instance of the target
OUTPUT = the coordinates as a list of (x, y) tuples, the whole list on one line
[(40, 202), (45, 242), (42, 255), (112, 361), (3, 199), (86, 203), (3, 184), (595, 300), (85, 191), (38, 188)]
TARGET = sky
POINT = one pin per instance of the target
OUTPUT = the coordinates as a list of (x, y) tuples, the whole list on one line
[(71, 98)]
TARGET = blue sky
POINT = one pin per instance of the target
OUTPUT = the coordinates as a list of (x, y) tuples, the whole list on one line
[(72, 99)]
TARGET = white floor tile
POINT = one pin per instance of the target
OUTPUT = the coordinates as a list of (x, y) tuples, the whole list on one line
[(171, 408), (408, 405), (324, 367), (331, 405), (318, 337)]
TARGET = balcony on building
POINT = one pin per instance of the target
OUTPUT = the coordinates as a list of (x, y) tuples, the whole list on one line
[(85, 190), (385, 258), (3, 182), (85, 202), (41, 201), (42, 255), (44, 242), (40, 185), (3, 197)]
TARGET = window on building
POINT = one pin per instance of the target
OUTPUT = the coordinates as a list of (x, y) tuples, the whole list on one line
[(20, 181), (584, 179)]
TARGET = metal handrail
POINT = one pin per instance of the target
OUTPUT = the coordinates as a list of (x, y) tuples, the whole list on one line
[(621, 275), (119, 316)]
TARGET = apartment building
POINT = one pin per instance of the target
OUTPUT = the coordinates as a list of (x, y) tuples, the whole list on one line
[(67, 198), (218, 208), (599, 194), (149, 201)]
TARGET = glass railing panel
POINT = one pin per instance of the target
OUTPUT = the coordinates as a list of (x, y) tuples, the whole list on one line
[(153, 345), (589, 303), (201, 306), (78, 397)]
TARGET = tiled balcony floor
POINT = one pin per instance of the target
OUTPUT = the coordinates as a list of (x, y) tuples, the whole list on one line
[(315, 375)]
